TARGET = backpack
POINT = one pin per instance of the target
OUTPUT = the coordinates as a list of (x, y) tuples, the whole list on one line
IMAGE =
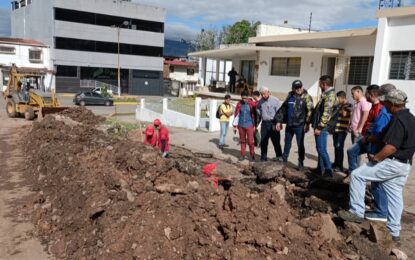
[(218, 112)]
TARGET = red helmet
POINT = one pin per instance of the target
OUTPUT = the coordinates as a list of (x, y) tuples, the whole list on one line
[(157, 122)]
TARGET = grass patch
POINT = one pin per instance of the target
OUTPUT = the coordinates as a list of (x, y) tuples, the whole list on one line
[(120, 128), (125, 100)]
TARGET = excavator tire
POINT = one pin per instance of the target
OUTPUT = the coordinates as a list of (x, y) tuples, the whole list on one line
[(11, 108), (29, 114)]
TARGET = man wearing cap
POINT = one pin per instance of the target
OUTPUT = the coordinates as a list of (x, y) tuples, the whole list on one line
[(267, 108), (163, 137), (390, 166), (150, 136), (295, 112)]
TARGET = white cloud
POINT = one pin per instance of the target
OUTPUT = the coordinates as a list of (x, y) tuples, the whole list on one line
[(326, 14), (5, 24)]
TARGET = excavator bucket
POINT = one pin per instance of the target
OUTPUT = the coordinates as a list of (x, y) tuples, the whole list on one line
[(50, 110)]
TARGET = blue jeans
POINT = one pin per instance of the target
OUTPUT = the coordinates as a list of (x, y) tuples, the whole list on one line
[(266, 133), (299, 135), (324, 163), (224, 126), (392, 176), (380, 198), (338, 141), (353, 154)]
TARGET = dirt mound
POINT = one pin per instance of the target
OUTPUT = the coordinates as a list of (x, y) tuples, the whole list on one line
[(116, 199), (81, 114)]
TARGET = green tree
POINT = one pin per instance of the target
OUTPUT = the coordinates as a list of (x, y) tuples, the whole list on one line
[(240, 32), (206, 40)]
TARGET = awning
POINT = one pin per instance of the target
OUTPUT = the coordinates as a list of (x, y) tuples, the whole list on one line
[(246, 50)]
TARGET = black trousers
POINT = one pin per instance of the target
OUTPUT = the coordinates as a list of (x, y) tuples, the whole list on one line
[(266, 133)]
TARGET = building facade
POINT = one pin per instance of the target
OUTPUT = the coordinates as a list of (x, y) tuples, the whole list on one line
[(96, 39), (385, 54), (25, 53)]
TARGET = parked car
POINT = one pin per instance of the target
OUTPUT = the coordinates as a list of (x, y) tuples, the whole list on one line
[(99, 91), (91, 98)]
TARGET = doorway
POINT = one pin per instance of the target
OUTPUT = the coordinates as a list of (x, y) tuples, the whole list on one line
[(329, 66)]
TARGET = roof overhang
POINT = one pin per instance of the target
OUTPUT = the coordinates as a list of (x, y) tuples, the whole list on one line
[(243, 51), (314, 35), (396, 12)]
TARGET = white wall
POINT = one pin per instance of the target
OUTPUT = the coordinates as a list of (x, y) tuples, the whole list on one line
[(180, 74), (269, 30), (394, 34), (309, 75)]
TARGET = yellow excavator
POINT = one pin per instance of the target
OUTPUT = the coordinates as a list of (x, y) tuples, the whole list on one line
[(24, 99)]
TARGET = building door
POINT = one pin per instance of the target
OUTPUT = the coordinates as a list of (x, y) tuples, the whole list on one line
[(147, 83), (248, 71), (328, 66)]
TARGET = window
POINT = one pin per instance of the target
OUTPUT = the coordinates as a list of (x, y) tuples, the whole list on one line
[(402, 65), (190, 72), (7, 49), (107, 47), (35, 55), (67, 71), (360, 71), (286, 67), (107, 20)]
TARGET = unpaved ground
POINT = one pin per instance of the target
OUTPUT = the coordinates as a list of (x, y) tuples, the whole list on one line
[(16, 239)]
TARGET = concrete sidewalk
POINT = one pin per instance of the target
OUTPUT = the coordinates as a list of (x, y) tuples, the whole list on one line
[(208, 142)]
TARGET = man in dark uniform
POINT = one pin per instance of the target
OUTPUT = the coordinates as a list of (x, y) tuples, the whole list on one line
[(390, 166), (232, 80)]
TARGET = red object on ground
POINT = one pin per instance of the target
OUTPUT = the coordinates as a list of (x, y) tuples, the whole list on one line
[(209, 168)]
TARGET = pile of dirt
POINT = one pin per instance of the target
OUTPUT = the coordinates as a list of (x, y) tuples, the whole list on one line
[(106, 198), (81, 114)]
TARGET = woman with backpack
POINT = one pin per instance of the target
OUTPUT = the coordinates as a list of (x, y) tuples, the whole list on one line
[(245, 116), (223, 113)]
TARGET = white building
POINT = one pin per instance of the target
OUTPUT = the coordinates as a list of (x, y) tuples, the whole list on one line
[(84, 37), (25, 53), (352, 57)]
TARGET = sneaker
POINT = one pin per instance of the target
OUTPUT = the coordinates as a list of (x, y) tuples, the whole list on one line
[(252, 159), (242, 158), (337, 169), (350, 217), (375, 217), (316, 171), (279, 159), (221, 146), (396, 238)]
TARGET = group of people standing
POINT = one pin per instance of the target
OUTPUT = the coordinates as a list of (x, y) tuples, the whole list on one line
[(379, 125)]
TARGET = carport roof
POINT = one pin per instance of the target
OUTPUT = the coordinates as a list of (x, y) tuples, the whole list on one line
[(248, 50)]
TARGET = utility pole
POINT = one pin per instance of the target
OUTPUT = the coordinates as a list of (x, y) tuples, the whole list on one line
[(311, 18), (125, 23)]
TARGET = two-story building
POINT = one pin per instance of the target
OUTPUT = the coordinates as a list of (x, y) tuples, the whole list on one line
[(25, 53)]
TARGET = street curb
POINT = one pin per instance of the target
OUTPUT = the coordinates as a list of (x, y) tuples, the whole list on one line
[(125, 103)]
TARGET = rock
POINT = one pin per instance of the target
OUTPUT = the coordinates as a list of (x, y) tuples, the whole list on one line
[(58, 249), (267, 171), (280, 189), (399, 254), (193, 185), (356, 228), (294, 176), (351, 256), (378, 233), (170, 188), (317, 204), (110, 148), (167, 232), (285, 251), (323, 227)]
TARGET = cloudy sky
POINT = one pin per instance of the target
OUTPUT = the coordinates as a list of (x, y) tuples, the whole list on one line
[(185, 18)]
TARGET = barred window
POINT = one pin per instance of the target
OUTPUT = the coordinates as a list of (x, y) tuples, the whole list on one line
[(35, 55), (7, 49), (360, 71), (286, 67), (402, 65)]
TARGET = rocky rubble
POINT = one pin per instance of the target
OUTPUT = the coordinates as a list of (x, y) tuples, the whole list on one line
[(106, 198)]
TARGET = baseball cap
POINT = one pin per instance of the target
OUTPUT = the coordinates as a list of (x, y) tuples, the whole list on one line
[(395, 96), (297, 84), (149, 130), (157, 122), (385, 88)]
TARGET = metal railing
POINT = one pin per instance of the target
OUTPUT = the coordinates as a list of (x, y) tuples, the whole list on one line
[(86, 83)]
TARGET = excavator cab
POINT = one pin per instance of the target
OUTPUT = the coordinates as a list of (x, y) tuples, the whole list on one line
[(26, 96)]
